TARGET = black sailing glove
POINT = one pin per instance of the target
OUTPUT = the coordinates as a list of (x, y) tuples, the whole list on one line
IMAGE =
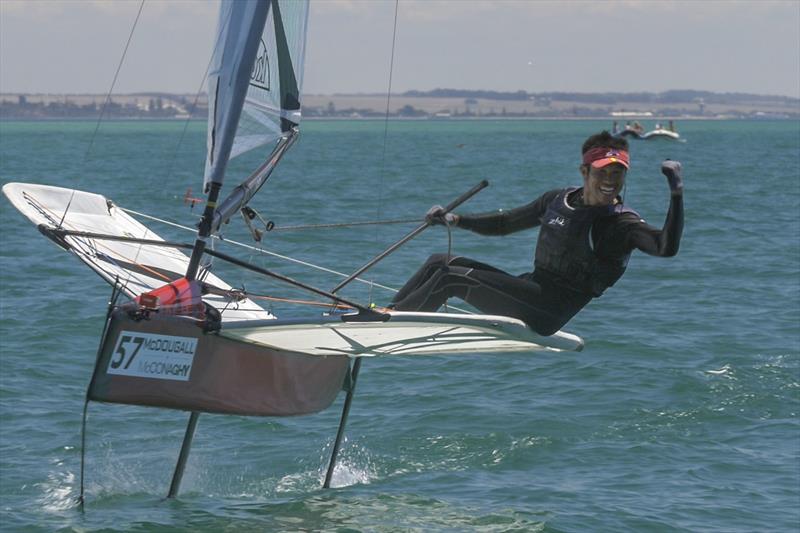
[(436, 215), (672, 170)]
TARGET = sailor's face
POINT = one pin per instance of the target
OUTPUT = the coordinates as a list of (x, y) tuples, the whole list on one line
[(602, 185)]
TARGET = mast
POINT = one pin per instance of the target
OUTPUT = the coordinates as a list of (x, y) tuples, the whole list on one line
[(254, 99), (253, 105), (239, 36)]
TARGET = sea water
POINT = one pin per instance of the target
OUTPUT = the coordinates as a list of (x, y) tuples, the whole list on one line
[(680, 415)]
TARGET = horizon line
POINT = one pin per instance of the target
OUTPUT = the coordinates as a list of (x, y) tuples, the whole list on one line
[(421, 93)]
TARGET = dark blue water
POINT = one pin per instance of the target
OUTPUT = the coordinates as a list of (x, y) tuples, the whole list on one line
[(680, 414)]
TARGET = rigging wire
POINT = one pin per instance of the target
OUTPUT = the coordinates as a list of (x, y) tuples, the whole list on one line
[(386, 116), (379, 204), (253, 248), (264, 251), (113, 83), (171, 164), (312, 303), (204, 269), (103, 111), (197, 95), (346, 224), (105, 106), (449, 256)]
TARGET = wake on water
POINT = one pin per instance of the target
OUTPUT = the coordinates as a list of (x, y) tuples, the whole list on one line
[(116, 473)]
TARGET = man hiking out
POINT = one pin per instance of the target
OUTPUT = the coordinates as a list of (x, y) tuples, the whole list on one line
[(586, 237)]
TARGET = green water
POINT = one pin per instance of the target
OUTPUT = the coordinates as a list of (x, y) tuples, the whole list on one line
[(680, 415)]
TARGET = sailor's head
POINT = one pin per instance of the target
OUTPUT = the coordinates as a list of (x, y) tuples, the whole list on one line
[(604, 166)]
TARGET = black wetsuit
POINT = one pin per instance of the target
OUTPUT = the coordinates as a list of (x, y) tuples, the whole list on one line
[(567, 273)]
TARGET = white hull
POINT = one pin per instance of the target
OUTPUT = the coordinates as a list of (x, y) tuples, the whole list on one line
[(403, 334), (661, 133)]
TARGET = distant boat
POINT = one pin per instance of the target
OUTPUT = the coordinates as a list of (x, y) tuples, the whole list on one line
[(629, 132), (661, 133), (636, 131)]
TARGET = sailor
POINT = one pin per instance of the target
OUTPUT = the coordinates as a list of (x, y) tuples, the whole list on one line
[(586, 237)]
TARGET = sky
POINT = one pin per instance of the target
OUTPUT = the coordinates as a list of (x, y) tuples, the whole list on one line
[(74, 46)]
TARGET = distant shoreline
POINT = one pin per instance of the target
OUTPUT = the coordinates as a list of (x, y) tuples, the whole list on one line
[(439, 104), (6, 119)]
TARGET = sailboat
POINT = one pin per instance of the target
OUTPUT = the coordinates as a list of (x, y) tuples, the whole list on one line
[(178, 336), (662, 132)]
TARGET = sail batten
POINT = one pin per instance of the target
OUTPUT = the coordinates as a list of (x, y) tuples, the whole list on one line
[(261, 92)]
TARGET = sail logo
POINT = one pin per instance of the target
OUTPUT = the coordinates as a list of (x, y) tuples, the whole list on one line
[(147, 355), (260, 75)]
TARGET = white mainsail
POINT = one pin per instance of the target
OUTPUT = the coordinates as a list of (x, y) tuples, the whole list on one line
[(272, 104), (255, 79)]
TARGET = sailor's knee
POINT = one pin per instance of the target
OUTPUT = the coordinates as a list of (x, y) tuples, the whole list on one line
[(546, 327), (437, 260), (544, 330)]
